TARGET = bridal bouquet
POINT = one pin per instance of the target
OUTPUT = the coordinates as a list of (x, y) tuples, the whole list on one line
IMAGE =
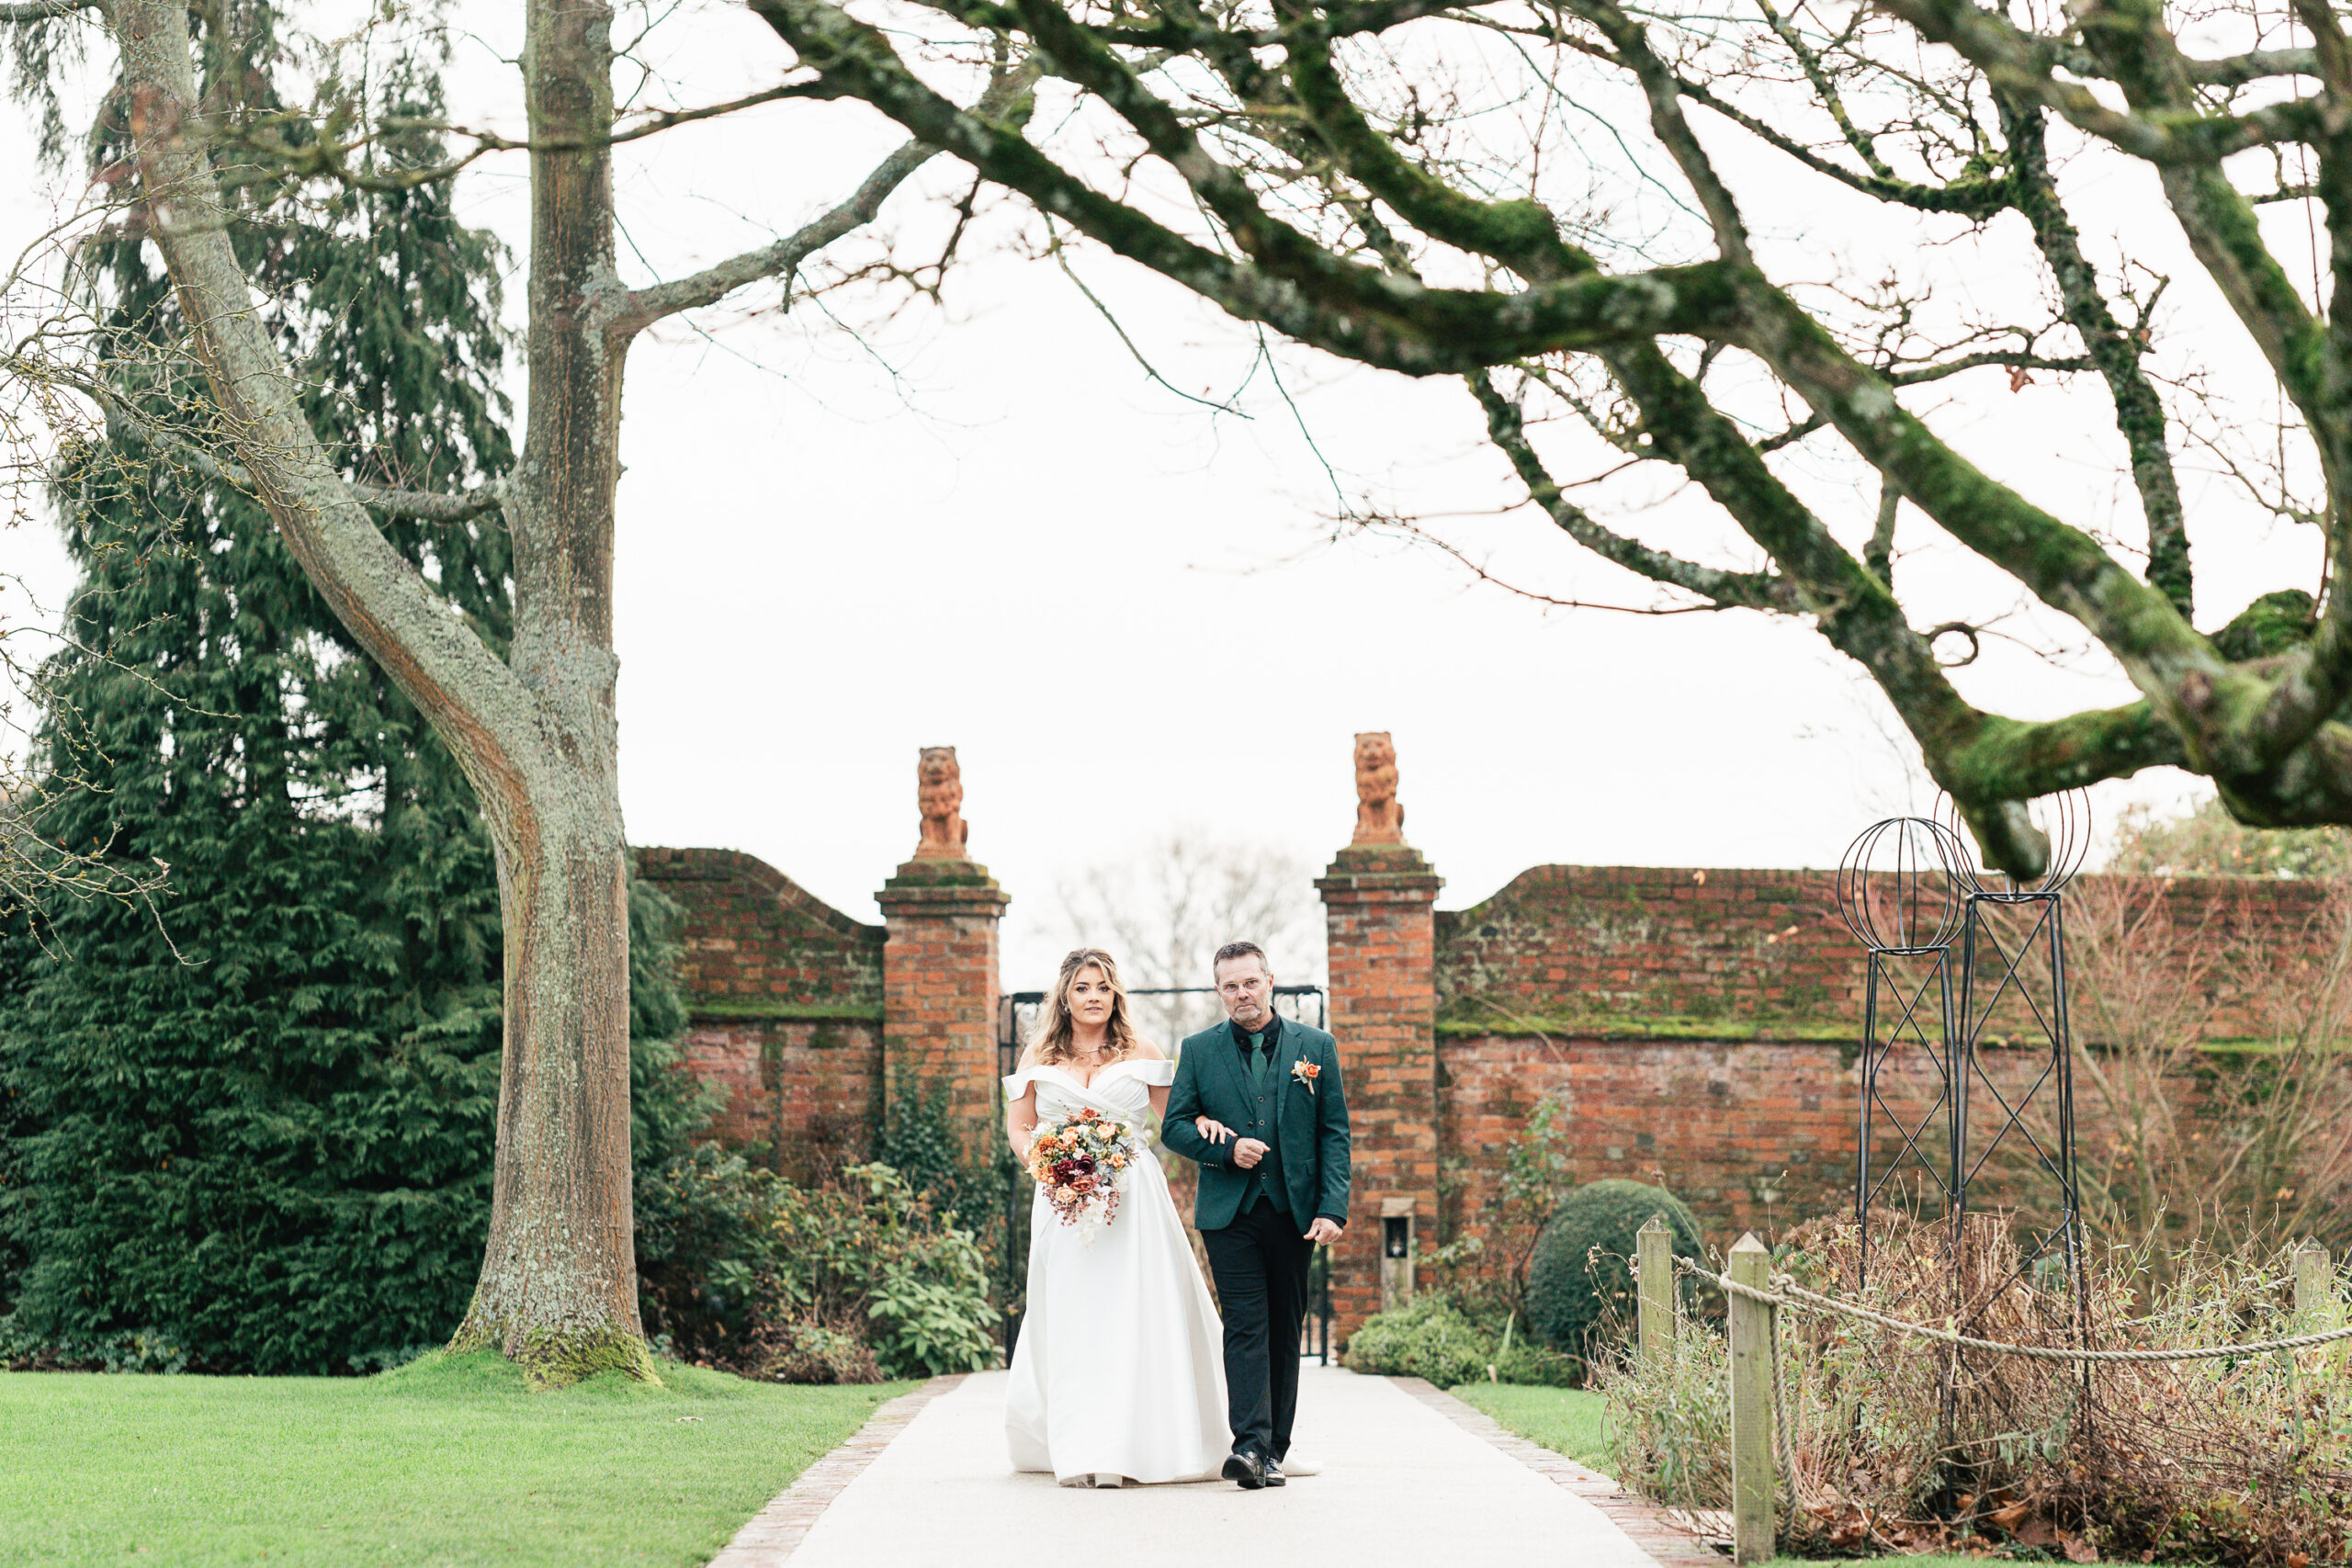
[(1081, 1163)]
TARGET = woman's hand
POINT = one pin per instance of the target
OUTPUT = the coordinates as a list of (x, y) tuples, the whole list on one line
[(1210, 1128)]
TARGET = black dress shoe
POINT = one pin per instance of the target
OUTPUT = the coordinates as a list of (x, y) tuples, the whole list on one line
[(1248, 1468), (1275, 1476)]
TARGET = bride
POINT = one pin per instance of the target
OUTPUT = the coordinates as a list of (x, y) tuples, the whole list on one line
[(1118, 1374)]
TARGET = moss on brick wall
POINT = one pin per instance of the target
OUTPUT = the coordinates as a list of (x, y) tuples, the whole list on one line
[(785, 996), (1659, 952)]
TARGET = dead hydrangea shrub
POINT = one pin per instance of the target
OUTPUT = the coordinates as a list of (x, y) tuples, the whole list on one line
[(1904, 1446)]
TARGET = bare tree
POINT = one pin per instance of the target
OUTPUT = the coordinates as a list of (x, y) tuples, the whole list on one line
[(1165, 910), (43, 407), (2216, 1090), (1557, 202), (534, 729)]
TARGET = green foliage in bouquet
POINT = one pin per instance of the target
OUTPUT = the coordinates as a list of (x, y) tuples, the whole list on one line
[(846, 1281), (1580, 1277)]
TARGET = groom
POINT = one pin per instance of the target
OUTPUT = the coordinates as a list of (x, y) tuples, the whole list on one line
[(1272, 1185)]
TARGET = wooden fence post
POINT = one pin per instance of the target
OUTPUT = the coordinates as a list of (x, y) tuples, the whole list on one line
[(1654, 1274), (2315, 1305), (1752, 1526), (2314, 1289)]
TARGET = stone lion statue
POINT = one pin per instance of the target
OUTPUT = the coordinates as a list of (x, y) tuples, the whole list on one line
[(939, 790), (1380, 819)]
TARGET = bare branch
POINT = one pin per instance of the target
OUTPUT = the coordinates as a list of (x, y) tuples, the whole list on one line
[(1289, 282), (125, 425), (2236, 70), (2015, 62), (1879, 553), (1383, 523), (475, 701), (641, 308), (1506, 426)]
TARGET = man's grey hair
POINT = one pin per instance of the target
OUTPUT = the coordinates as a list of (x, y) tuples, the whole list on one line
[(1242, 950)]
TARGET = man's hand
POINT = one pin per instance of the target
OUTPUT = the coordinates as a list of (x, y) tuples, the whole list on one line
[(1323, 1232), (1248, 1153), (1210, 1128)]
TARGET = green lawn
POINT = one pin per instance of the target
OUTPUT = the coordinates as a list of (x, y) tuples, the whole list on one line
[(448, 1461), (1565, 1420)]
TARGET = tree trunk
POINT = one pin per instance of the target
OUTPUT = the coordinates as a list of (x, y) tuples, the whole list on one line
[(558, 1291), (534, 734)]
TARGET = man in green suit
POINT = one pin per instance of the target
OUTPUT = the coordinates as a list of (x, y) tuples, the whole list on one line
[(1258, 1103)]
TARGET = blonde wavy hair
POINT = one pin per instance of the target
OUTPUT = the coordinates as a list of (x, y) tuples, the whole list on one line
[(1054, 1037)]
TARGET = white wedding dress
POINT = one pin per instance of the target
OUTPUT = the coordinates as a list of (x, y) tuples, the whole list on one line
[(1120, 1366)]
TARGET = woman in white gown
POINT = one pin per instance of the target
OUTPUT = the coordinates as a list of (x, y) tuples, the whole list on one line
[(1119, 1372)]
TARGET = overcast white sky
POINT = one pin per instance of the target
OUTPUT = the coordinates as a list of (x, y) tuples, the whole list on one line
[(989, 529)]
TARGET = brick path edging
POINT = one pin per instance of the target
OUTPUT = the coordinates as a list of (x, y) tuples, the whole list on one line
[(776, 1532), (1645, 1523)]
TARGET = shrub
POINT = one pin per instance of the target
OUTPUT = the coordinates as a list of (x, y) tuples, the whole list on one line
[(1524, 1361), (802, 1351), (743, 1269), (919, 1141), (1486, 1272), (1579, 1279), (1428, 1337), (2244, 1461)]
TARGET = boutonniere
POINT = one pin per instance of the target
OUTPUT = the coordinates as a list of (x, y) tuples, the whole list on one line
[(1306, 1073)]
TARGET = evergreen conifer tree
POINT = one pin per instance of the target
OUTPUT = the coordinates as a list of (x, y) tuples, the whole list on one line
[(251, 1127)]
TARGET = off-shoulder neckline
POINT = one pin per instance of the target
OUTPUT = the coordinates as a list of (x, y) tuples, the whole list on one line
[(1099, 1075)]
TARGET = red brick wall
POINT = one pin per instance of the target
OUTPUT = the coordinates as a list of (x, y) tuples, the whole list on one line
[(1377, 903), (1701, 1028), (784, 998), (805, 1090), (1699, 1025), (1727, 954), (753, 936), (1640, 946), (1752, 1135), (939, 989)]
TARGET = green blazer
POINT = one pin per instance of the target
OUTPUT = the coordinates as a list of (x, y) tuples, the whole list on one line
[(1311, 1127)]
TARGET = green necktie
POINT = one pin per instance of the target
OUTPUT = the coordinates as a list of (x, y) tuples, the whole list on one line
[(1258, 1055)]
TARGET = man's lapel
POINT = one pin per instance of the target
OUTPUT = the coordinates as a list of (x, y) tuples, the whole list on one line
[(1222, 1052), (1285, 1059)]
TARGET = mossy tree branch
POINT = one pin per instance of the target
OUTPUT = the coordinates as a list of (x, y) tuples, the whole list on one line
[(1352, 275)]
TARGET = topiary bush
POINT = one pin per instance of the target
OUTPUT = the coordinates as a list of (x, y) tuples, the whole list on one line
[(1427, 1337), (1580, 1277)]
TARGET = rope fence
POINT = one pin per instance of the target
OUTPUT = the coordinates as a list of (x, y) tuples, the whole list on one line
[(1765, 1475), (1787, 1292)]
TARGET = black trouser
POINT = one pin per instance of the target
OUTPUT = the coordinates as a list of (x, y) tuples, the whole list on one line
[(1260, 1262)]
